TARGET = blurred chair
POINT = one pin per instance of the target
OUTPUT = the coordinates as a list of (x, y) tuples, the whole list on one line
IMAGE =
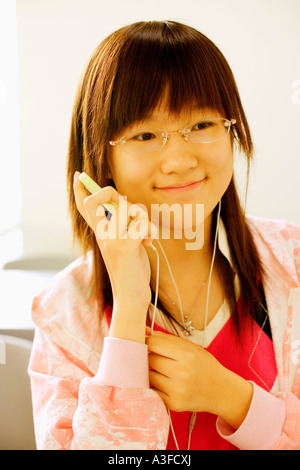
[(16, 417), (40, 263)]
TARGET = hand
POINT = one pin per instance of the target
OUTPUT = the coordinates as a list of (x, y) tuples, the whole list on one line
[(125, 258), (189, 378), (183, 373)]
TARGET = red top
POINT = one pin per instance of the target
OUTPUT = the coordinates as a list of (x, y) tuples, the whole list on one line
[(233, 355)]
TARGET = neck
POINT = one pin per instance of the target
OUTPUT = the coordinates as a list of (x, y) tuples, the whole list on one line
[(189, 267)]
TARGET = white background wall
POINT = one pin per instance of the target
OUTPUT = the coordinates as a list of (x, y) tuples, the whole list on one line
[(259, 38)]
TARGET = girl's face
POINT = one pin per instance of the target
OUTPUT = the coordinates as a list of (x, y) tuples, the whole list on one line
[(180, 172)]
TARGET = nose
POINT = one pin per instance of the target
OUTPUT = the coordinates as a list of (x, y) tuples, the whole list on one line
[(177, 156)]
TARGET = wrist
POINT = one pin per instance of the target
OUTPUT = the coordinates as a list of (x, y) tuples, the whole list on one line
[(235, 398), (129, 323)]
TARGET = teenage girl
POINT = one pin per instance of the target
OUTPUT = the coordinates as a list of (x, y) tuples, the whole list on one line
[(142, 343)]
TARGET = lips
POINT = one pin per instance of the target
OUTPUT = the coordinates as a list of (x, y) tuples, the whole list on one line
[(181, 186)]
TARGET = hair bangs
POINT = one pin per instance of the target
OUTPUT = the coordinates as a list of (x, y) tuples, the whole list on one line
[(155, 60)]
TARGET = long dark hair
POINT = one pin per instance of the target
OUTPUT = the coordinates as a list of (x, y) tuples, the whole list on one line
[(123, 82)]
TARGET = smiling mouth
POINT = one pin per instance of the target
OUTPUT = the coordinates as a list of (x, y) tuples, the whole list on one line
[(181, 187)]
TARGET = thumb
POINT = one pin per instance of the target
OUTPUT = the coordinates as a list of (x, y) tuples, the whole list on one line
[(155, 333)]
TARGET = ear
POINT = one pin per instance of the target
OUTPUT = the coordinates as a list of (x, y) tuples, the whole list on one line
[(108, 172)]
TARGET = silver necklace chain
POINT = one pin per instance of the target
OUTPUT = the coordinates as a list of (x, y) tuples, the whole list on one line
[(187, 325)]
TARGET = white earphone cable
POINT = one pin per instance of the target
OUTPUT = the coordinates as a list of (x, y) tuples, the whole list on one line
[(194, 414)]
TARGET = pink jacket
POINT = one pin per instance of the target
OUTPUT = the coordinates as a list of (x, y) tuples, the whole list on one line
[(92, 392)]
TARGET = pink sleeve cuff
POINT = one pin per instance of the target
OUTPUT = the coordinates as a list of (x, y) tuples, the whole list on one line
[(123, 364), (263, 423)]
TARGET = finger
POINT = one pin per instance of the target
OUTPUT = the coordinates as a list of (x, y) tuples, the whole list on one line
[(165, 398), (148, 330), (161, 364), (118, 225), (159, 382), (156, 332), (130, 225), (93, 204), (166, 345), (140, 228), (120, 220), (80, 194), (114, 195), (84, 199)]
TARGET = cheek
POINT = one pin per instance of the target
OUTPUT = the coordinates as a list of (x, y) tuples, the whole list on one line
[(131, 178), (220, 172), (220, 163)]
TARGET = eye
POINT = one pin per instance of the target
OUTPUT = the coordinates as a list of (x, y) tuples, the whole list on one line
[(144, 136), (202, 125)]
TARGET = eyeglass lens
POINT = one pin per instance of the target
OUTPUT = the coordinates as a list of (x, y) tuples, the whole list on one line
[(205, 131)]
